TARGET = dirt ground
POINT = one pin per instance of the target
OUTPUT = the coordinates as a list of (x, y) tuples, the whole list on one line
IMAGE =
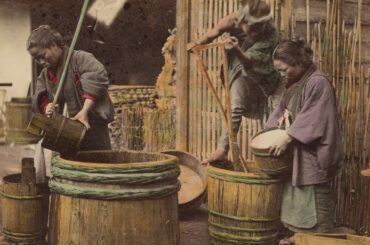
[(193, 226)]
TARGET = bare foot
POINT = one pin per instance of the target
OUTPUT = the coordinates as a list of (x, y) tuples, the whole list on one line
[(287, 241), (218, 155)]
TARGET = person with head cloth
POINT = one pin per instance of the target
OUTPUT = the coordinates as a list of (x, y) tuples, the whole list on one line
[(253, 80), (85, 90), (309, 113)]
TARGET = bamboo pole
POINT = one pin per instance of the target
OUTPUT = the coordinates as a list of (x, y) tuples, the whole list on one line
[(308, 20), (210, 85)]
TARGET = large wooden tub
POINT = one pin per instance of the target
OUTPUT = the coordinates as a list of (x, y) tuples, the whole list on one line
[(114, 197), (244, 208)]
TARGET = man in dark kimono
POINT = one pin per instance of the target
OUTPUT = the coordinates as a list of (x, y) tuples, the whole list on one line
[(308, 110), (252, 77), (85, 91)]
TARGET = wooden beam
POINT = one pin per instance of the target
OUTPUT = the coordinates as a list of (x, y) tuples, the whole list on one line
[(182, 72)]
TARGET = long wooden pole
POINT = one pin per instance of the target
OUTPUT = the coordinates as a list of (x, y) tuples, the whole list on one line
[(70, 51), (210, 85), (182, 72)]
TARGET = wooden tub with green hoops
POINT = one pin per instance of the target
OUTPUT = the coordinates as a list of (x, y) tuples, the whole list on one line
[(114, 197), (243, 208)]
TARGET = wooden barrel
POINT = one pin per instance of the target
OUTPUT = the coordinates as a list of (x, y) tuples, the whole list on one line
[(244, 208), (114, 197), (264, 162), (18, 115), (193, 181), (60, 133), (24, 209)]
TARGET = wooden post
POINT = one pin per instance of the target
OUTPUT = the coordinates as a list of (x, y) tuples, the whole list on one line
[(287, 17), (28, 171), (182, 86)]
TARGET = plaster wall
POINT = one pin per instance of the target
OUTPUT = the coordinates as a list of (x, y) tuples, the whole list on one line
[(15, 62)]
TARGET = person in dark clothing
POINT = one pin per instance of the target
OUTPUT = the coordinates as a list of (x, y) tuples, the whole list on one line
[(253, 80), (85, 91)]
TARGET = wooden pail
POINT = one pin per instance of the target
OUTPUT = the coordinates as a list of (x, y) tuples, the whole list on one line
[(18, 115), (264, 162), (60, 133), (114, 197), (24, 209), (244, 208), (193, 181)]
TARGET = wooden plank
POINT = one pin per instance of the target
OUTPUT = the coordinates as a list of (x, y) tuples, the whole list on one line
[(182, 70), (330, 239)]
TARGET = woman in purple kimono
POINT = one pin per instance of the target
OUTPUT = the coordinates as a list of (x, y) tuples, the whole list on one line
[(309, 103)]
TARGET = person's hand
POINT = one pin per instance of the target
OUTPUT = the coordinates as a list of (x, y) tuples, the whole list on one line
[(280, 145), (231, 43), (191, 45), (51, 108), (218, 155), (82, 116)]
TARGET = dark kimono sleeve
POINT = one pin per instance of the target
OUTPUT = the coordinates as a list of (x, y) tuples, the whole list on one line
[(316, 113), (93, 76), (260, 51)]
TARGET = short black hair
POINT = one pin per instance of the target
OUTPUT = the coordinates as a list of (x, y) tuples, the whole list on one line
[(294, 52), (44, 36)]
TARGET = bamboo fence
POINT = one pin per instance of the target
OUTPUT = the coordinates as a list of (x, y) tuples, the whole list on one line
[(338, 52)]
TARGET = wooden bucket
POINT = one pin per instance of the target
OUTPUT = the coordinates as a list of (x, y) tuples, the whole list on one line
[(193, 181), (264, 162), (244, 208), (24, 208), (18, 115), (114, 197), (60, 134)]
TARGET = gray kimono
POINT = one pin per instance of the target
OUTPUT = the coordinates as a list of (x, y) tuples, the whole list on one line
[(86, 75)]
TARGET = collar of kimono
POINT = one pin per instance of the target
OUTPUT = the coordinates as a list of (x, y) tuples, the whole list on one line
[(53, 75)]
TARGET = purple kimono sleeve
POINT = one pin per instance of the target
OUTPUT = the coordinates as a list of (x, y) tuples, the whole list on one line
[(315, 115)]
